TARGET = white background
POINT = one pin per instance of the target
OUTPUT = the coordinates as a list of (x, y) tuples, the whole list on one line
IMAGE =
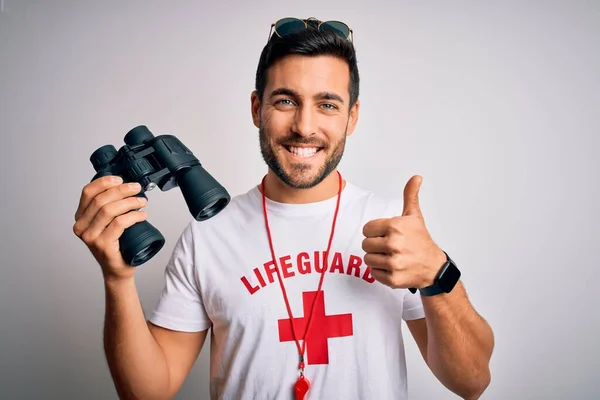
[(495, 104)]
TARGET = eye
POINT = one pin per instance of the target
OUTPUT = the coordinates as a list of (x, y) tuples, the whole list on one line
[(329, 106), (284, 102)]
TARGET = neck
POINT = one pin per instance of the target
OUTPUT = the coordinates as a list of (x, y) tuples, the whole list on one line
[(278, 191)]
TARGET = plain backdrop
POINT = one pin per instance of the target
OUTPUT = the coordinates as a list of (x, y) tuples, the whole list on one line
[(495, 104)]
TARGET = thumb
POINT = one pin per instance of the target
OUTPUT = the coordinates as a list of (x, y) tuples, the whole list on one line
[(411, 196)]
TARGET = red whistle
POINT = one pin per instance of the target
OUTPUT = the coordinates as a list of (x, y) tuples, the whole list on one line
[(301, 388)]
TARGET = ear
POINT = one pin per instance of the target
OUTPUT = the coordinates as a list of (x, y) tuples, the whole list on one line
[(255, 108), (353, 118)]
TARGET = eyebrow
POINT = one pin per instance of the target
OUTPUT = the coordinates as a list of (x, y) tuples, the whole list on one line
[(318, 96)]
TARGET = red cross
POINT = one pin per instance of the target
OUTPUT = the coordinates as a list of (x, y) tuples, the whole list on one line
[(322, 328)]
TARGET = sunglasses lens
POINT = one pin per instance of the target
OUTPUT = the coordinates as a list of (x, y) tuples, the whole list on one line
[(339, 28), (288, 26)]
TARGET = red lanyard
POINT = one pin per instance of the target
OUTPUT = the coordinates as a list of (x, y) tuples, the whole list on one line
[(303, 384)]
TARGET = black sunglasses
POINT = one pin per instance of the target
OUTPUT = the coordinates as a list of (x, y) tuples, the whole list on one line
[(287, 26)]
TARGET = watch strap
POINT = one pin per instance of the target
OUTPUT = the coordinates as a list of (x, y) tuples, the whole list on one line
[(433, 289)]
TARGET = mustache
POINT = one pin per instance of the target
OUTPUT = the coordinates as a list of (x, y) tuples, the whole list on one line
[(299, 140)]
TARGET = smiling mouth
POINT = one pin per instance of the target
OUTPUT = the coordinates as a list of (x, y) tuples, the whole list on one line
[(303, 152)]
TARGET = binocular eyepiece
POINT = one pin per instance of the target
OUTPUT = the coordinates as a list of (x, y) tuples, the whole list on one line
[(162, 161)]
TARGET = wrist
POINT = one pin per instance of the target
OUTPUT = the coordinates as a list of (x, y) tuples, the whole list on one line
[(439, 259), (114, 281), (447, 276)]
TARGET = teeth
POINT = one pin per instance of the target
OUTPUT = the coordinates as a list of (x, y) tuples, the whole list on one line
[(303, 151)]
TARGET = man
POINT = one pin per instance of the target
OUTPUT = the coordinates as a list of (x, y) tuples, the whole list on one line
[(304, 245)]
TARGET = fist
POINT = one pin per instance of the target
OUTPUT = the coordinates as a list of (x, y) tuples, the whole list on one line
[(399, 250)]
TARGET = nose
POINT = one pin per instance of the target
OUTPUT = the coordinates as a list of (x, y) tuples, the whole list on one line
[(304, 121)]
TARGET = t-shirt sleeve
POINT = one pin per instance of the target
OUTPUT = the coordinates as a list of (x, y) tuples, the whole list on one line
[(412, 307), (180, 305)]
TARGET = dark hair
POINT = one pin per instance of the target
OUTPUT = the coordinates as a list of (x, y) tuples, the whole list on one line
[(308, 42)]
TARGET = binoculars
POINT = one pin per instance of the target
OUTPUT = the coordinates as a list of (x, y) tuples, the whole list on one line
[(162, 161)]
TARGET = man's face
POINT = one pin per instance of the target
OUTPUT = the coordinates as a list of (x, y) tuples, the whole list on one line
[(304, 118)]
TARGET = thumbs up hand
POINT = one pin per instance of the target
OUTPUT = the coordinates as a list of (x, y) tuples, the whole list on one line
[(399, 250)]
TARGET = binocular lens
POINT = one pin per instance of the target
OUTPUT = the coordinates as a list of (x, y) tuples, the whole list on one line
[(145, 254), (205, 197), (140, 242), (212, 209)]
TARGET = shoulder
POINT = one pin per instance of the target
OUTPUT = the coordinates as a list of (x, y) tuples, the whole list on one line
[(243, 208), (371, 204)]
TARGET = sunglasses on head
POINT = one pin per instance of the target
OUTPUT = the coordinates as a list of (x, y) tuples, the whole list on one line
[(287, 26)]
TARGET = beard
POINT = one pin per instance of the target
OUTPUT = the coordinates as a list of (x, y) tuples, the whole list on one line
[(298, 176)]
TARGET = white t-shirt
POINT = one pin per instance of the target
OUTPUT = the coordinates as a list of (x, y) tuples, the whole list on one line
[(221, 275)]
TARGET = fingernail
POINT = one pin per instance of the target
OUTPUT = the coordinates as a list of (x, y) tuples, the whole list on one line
[(142, 200), (116, 179), (135, 185)]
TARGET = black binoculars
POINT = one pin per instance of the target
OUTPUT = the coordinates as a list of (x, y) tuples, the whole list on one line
[(162, 161)]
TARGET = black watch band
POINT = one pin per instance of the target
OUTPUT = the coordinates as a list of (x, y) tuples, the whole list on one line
[(444, 281), (432, 290)]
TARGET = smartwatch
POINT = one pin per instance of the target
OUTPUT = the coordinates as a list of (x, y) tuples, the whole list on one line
[(444, 281)]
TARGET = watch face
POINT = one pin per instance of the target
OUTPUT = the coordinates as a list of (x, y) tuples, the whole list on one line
[(449, 277)]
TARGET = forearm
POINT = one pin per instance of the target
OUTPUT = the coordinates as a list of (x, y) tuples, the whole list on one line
[(460, 343), (137, 364)]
